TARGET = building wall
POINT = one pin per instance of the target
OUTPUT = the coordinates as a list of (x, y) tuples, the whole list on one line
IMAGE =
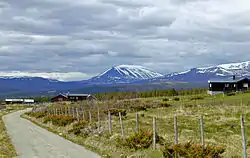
[(215, 92), (59, 98), (222, 87), (242, 85), (78, 98), (225, 87)]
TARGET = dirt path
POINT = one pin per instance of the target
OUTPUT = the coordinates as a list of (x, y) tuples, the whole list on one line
[(32, 141)]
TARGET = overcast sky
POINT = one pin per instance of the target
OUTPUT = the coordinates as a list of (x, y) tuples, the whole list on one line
[(76, 39)]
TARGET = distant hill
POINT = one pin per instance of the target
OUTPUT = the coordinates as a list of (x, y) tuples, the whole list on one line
[(204, 74), (122, 78)]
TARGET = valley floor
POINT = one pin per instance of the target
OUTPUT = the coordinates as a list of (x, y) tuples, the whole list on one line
[(221, 123)]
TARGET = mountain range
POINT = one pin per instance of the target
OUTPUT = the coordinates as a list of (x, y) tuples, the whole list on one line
[(122, 76)]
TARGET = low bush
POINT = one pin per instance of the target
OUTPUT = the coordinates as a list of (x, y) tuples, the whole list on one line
[(231, 94), (140, 108), (165, 99), (115, 112), (36, 114), (78, 127), (140, 140), (59, 120), (191, 150), (165, 104), (176, 99), (197, 98)]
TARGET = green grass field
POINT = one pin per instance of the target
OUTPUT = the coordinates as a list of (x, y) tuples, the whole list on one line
[(221, 123)]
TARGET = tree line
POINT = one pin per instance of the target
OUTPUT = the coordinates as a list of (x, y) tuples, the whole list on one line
[(148, 94)]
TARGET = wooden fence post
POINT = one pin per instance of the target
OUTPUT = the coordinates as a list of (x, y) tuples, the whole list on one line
[(83, 115), (202, 133), (65, 109), (69, 113), (122, 130), (56, 111), (109, 123), (77, 115), (98, 117), (154, 133), (175, 130), (90, 117), (73, 112), (137, 122), (243, 137)]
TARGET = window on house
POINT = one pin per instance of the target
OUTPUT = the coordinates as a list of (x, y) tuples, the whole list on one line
[(245, 85), (226, 85), (234, 85), (210, 85)]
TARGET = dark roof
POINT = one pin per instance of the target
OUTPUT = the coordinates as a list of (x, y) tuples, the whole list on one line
[(61, 95), (226, 80), (78, 95)]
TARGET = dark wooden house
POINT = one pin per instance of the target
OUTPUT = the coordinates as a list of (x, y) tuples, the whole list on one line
[(72, 97), (229, 85), (59, 98), (80, 97)]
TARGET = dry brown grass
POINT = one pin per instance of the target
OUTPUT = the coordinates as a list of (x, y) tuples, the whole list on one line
[(221, 118), (6, 148)]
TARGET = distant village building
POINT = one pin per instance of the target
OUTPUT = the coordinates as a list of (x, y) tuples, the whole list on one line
[(59, 98), (19, 101), (230, 85), (72, 97)]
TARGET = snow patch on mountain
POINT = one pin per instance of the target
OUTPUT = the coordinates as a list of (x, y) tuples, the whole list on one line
[(217, 71), (125, 73)]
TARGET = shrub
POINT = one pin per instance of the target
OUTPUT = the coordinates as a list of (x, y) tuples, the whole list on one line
[(230, 94), (165, 99), (165, 104), (176, 99), (36, 114), (59, 120), (191, 150), (78, 126), (197, 98), (115, 112), (140, 140), (140, 107)]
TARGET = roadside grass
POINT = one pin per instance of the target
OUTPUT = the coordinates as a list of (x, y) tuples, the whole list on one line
[(221, 124), (7, 150)]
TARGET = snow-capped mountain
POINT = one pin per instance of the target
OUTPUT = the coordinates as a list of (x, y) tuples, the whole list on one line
[(203, 74), (124, 74)]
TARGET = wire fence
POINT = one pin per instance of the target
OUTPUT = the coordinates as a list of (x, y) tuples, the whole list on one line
[(177, 129)]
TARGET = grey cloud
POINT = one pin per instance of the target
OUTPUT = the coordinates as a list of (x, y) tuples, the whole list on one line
[(90, 36)]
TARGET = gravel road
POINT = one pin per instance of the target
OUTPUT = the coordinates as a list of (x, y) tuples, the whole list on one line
[(32, 141)]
